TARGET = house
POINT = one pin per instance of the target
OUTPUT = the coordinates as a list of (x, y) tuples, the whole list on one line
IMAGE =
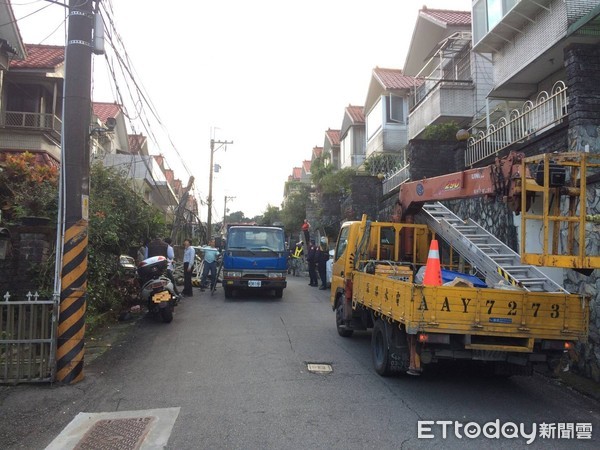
[(331, 147), (31, 115), (545, 63), (352, 137), (108, 134), (11, 44), (386, 110), (451, 82)]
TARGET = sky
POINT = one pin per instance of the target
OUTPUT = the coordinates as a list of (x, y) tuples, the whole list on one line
[(269, 75)]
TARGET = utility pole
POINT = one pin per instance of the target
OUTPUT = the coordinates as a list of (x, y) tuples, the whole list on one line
[(74, 200), (225, 207), (210, 183)]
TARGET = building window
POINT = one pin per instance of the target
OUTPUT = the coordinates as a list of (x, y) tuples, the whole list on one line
[(487, 14), (374, 120), (395, 109)]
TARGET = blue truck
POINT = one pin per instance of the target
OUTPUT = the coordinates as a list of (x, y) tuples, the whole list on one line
[(254, 259)]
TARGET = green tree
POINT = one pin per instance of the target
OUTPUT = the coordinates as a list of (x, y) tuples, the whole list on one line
[(294, 211), (236, 217), (271, 215), (27, 188), (441, 132), (114, 230)]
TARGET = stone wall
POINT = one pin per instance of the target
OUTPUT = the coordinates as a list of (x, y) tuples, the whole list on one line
[(582, 64), (30, 251)]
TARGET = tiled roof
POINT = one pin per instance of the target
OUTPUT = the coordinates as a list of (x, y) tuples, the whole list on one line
[(393, 78), (333, 136), (356, 113), (447, 16), (105, 110), (317, 151), (40, 57), (297, 173), (136, 141), (306, 166)]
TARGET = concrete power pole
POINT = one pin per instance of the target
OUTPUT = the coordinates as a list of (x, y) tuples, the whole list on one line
[(75, 181), (210, 184), (225, 207)]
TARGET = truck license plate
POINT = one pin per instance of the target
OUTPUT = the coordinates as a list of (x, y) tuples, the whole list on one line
[(254, 283)]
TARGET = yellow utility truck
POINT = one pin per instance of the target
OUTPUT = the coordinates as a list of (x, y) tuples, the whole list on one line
[(514, 318)]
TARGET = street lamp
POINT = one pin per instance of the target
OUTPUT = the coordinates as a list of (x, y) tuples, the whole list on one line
[(210, 183)]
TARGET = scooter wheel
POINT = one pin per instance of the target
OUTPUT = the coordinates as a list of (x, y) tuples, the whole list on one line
[(166, 314)]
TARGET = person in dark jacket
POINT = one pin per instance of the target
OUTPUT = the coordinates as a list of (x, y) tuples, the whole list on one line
[(322, 256), (311, 259), (157, 247)]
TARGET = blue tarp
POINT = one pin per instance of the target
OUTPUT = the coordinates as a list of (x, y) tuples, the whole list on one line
[(450, 275)]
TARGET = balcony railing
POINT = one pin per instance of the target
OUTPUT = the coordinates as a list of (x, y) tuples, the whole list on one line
[(533, 117), (396, 179), (32, 121)]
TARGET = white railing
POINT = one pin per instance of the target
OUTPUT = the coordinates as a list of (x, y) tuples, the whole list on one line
[(396, 179), (532, 118), (43, 121)]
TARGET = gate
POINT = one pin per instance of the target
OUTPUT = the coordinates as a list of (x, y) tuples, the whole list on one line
[(27, 339)]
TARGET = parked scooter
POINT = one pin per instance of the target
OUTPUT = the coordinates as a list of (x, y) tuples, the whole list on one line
[(157, 289)]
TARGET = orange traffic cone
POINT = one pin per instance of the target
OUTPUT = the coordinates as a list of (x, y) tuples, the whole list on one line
[(433, 271)]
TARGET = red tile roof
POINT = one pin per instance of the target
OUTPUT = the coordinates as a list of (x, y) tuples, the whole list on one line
[(356, 113), (40, 57), (393, 78), (333, 136), (317, 151), (297, 173), (448, 17), (306, 166), (105, 110)]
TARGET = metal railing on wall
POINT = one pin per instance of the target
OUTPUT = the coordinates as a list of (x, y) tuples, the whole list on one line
[(27, 339), (533, 117)]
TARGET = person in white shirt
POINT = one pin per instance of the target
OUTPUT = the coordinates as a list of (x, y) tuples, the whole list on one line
[(189, 255), (210, 264)]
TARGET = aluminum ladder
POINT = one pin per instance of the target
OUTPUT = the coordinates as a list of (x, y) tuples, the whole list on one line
[(493, 258)]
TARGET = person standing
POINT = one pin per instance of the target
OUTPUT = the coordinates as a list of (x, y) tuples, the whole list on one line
[(170, 266), (306, 231), (210, 264), (311, 256), (142, 252), (156, 247), (189, 254), (322, 256)]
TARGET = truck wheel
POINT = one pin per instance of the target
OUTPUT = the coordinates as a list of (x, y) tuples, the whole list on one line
[(380, 349), (278, 292), (339, 314), (228, 292)]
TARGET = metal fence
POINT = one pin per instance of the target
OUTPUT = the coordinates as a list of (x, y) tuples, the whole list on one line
[(27, 339)]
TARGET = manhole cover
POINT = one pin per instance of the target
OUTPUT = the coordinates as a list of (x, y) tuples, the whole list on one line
[(319, 368), (116, 434)]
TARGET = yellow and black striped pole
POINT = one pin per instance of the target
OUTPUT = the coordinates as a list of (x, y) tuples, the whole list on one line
[(75, 176)]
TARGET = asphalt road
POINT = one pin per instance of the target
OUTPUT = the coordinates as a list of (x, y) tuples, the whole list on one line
[(237, 371)]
